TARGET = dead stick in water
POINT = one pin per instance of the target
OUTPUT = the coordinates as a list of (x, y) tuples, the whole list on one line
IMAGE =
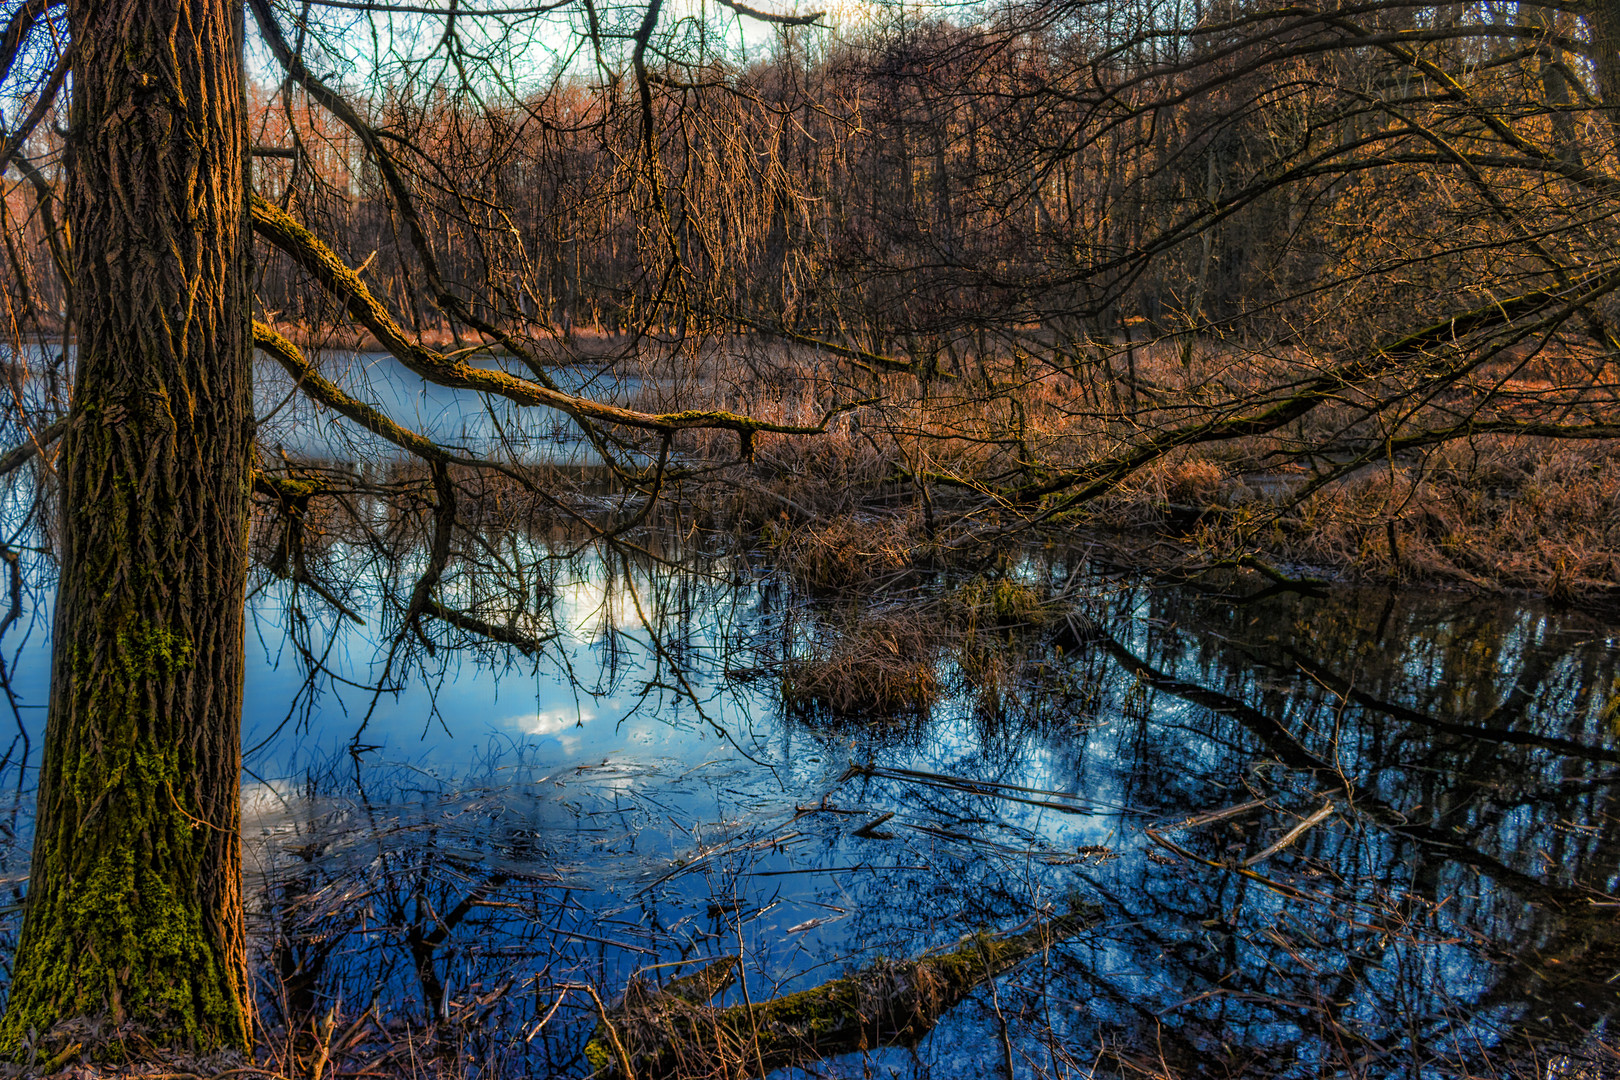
[(1322, 813)]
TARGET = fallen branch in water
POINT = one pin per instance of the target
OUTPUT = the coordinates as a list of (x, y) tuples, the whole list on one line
[(1325, 811), (990, 788), (657, 1034)]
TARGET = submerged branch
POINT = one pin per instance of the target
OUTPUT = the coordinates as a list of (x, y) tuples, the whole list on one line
[(527, 644), (656, 1034)]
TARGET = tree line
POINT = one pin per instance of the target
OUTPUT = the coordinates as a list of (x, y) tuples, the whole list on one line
[(1077, 169)]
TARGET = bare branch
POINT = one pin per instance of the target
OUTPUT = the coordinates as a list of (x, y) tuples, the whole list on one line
[(409, 9), (770, 17), (15, 34), (323, 264), (42, 105), (20, 455)]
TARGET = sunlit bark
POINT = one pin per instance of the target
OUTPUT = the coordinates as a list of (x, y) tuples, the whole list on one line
[(134, 917)]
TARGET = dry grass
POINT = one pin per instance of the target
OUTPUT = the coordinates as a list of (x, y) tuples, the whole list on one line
[(847, 554), (997, 603), (881, 664), (895, 652), (1520, 515), (1499, 514), (1197, 481), (856, 504)]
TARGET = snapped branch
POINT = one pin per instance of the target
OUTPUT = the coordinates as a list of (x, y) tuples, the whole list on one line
[(811, 19)]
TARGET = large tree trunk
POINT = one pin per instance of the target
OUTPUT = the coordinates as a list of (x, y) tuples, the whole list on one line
[(134, 909)]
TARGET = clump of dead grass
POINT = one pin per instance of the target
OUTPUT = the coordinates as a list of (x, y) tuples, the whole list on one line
[(1154, 494), (1194, 481), (845, 554), (1002, 602), (879, 664)]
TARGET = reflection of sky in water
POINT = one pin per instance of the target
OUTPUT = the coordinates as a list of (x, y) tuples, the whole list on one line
[(641, 800), (461, 419), (643, 828)]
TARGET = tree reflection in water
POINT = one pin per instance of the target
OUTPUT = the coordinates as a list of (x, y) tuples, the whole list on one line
[(1355, 832)]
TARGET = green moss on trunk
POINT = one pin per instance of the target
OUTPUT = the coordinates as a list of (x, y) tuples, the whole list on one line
[(133, 924)]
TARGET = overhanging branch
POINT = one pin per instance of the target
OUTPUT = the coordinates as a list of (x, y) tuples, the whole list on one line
[(310, 253), (1088, 483)]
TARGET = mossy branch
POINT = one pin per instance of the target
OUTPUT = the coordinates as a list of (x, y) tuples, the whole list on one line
[(399, 191), (312, 254), (659, 1034), (326, 392)]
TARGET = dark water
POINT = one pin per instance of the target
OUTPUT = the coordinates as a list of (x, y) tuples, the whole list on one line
[(504, 836)]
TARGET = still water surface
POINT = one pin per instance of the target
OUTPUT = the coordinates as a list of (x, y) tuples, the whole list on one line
[(1366, 829), (1362, 832)]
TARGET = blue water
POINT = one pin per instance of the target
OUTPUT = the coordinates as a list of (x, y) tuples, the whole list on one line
[(462, 420), (638, 797)]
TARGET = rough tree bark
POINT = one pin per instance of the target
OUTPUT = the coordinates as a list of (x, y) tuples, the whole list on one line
[(134, 916)]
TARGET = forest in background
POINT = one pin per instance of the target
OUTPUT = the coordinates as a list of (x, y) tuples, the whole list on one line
[(1325, 284)]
